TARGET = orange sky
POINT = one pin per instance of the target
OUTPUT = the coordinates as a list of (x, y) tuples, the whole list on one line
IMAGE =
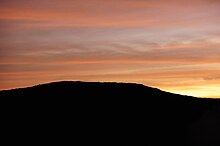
[(173, 45)]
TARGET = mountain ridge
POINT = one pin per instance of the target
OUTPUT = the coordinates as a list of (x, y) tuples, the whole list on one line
[(123, 113), (60, 83), (84, 82)]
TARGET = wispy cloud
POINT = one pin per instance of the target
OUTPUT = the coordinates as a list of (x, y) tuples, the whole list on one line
[(110, 41)]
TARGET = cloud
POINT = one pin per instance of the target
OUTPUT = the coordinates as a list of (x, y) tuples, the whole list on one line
[(62, 53), (165, 43), (212, 77), (122, 13)]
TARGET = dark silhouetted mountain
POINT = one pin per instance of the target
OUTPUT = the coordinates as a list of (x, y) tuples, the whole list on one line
[(94, 113)]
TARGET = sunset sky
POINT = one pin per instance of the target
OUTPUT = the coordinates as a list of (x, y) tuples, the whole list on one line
[(173, 45)]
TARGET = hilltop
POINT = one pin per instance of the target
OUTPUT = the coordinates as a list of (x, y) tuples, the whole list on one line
[(122, 113)]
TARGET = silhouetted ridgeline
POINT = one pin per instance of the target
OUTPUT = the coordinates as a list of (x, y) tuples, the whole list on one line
[(115, 113)]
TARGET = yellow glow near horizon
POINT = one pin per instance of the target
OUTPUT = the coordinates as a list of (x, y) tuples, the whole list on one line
[(204, 91)]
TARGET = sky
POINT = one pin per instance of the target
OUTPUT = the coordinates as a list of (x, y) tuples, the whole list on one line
[(173, 45)]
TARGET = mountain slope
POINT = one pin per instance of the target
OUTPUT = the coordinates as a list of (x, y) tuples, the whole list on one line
[(122, 113)]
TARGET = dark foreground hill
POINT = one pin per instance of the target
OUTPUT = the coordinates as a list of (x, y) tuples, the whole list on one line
[(95, 113)]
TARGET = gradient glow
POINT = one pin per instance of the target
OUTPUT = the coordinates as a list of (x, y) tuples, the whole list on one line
[(173, 45)]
